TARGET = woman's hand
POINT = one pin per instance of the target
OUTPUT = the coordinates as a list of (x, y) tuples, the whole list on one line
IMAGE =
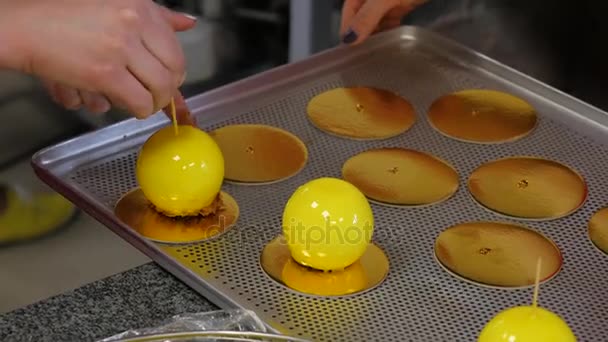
[(74, 99), (362, 18), (108, 52)]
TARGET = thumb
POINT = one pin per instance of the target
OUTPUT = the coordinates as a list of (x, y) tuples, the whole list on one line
[(178, 21), (367, 19), (182, 113)]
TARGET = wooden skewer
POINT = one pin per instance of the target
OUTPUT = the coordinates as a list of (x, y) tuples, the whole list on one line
[(174, 116), (536, 283)]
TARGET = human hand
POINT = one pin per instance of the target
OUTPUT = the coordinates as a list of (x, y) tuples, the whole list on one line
[(362, 18), (96, 103), (119, 52)]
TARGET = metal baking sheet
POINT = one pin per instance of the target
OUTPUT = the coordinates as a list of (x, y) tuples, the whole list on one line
[(418, 301)]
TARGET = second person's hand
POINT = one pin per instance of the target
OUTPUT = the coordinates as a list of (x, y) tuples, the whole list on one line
[(123, 53), (362, 18)]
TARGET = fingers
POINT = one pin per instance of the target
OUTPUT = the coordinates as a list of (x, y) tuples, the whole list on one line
[(138, 69), (73, 99), (94, 103), (129, 94), (362, 18), (155, 66), (161, 41), (178, 21), (50, 88), (64, 96), (67, 96), (366, 20), (349, 10), (152, 74)]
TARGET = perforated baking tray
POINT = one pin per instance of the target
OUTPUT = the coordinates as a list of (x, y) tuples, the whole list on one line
[(418, 301)]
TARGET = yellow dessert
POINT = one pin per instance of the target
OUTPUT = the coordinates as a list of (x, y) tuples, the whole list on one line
[(526, 324), (328, 224), (181, 171)]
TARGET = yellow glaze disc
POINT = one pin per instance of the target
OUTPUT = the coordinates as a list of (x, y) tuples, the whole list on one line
[(526, 324), (259, 153), (180, 174), (328, 224), (598, 229), (401, 176), (482, 116), (43, 213), (497, 254), (366, 273), (137, 213), (527, 187), (361, 113)]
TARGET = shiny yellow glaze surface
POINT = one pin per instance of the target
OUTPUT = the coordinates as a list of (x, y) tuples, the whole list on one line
[(180, 173), (328, 224), (526, 324)]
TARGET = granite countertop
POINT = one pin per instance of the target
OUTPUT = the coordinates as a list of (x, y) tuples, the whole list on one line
[(142, 297)]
